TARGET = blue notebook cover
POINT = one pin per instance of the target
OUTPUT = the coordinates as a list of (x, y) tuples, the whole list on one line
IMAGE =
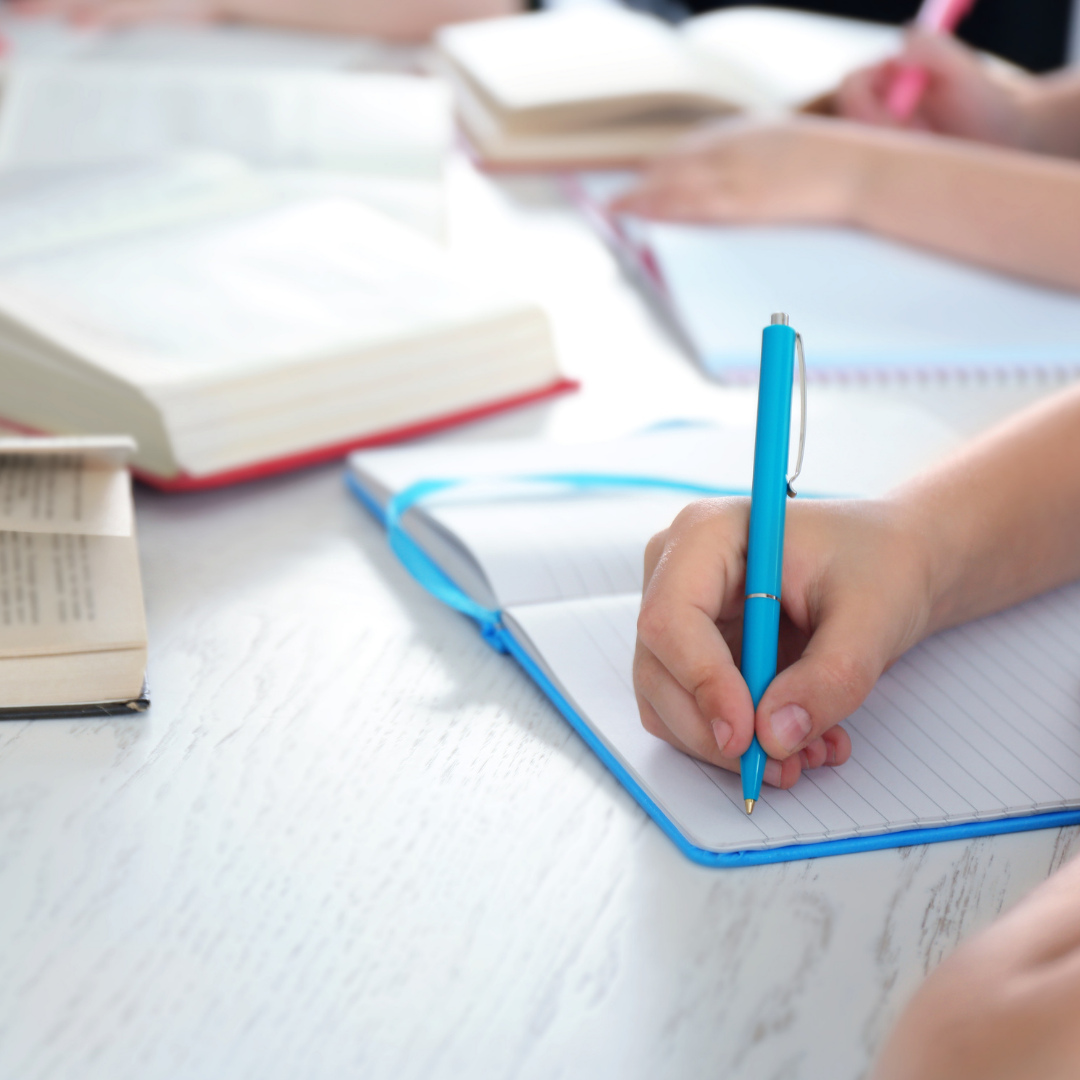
[(499, 636)]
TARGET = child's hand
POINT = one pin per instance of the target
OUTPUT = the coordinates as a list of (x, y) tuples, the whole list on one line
[(965, 96), (1005, 1005), (856, 595), (755, 171)]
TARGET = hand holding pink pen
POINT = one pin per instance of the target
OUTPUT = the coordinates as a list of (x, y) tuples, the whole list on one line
[(935, 16)]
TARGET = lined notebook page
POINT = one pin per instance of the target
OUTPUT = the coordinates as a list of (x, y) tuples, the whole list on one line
[(883, 308), (980, 722)]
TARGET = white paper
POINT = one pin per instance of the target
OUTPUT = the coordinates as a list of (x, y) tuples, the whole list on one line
[(72, 115), (792, 56), (526, 543), (981, 722), (296, 281), (220, 45), (63, 593), (63, 492)]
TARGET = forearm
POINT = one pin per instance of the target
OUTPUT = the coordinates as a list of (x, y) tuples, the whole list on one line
[(1011, 211), (402, 20), (1052, 115), (1000, 521)]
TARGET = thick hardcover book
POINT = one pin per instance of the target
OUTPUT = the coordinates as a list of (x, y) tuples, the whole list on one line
[(234, 328)]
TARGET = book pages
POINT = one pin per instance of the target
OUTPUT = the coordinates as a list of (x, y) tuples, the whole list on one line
[(92, 114), (567, 58), (197, 45), (299, 280), (69, 573), (62, 489), (792, 57), (64, 593)]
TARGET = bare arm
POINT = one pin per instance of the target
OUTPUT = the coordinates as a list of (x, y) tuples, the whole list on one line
[(1004, 209), (1002, 517), (399, 20), (1012, 211)]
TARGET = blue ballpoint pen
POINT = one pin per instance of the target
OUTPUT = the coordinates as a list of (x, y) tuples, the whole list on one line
[(768, 502)]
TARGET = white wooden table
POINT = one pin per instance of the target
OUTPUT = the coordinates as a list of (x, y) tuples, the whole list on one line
[(351, 841)]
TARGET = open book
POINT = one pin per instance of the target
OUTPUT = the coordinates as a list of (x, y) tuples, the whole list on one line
[(382, 138), (72, 627), (975, 731), (603, 84), (867, 307), (234, 329)]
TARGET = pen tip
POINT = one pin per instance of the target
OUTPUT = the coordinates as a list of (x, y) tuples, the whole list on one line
[(750, 805)]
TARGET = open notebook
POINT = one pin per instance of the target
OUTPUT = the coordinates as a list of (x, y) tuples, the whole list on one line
[(976, 731), (868, 307)]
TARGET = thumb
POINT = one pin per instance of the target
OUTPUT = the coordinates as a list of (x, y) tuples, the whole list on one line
[(838, 669)]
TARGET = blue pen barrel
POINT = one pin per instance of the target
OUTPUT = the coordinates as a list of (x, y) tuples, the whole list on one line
[(761, 627), (765, 549)]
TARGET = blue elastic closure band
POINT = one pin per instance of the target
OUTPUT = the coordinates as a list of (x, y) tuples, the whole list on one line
[(421, 566)]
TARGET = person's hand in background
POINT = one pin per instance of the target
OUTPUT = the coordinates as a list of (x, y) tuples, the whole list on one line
[(401, 20), (748, 170), (966, 95), (1005, 1005)]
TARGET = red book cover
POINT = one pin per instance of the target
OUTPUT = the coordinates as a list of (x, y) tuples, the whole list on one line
[(318, 455)]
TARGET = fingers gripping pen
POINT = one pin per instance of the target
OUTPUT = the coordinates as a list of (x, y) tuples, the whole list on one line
[(768, 502)]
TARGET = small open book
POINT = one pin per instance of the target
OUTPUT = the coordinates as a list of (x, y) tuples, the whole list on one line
[(72, 627), (602, 84), (975, 731)]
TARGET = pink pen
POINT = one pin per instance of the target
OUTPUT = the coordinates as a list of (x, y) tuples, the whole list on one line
[(938, 17)]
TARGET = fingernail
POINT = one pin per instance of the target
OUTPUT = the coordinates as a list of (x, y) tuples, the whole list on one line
[(722, 732), (830, 754), (790, 725), (772, 773)]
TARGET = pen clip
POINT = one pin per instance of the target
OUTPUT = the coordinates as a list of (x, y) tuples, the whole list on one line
[(802, 415)]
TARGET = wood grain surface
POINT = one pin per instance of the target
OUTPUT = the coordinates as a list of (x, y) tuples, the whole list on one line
[(349, 840)]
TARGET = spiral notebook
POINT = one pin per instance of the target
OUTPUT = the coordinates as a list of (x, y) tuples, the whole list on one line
[(875, 309), (974, 732)]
